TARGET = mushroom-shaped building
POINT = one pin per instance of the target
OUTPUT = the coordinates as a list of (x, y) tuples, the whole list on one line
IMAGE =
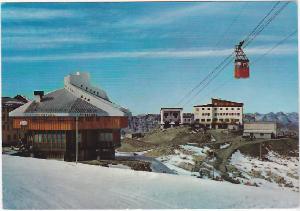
[(78, 120)]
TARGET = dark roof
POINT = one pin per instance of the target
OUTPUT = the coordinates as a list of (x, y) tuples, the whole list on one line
[(62, 101), (207, 105), (171, 108), (11, 102), (221, 103)]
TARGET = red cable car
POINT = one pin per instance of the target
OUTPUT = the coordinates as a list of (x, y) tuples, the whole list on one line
[(241, 62)]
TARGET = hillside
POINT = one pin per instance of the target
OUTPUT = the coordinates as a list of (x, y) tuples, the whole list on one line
[(30, 183)]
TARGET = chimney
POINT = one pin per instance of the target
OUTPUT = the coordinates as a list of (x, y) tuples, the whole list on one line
[(38, 96)]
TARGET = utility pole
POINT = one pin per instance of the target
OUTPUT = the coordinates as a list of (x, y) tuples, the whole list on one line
[(260, 151), (76, 122)]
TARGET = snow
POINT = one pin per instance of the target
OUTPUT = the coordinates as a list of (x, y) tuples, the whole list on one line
[(120, 166), (276, 166), (30, 183), (195, 150), (224, 146)]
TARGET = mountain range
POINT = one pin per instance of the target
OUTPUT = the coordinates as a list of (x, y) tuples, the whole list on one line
[(285, 119)]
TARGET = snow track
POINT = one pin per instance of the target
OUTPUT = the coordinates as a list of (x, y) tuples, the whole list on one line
[(30, 183)]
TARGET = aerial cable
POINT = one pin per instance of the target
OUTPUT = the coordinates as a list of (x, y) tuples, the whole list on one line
[(205, 79), (215, 47), (261, 21), (263, 55), (275, 46), (209, 81), (253, 33), (266, 24)]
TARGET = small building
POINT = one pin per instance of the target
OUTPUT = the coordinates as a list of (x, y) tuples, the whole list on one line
[(234, 127), (78, 113), (10, 135), (170, 117), (188, 118), (219, 113), (264, 130)]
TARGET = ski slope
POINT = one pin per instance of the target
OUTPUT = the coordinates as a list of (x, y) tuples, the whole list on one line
[(30, 183)]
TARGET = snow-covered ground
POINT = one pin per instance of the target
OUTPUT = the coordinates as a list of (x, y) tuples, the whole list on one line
[(182, 161), (30, 183), (278, 172)]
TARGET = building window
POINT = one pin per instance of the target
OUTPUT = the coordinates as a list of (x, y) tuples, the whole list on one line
[(86, 88), (215, 109), (208, 108), (81, 85), (105, 137), (208, 120), (81, 96), (203, 109), (221, 108), (63, 138), (226, 108), (175, 115), (238, 109), (208, 114), (232, 108), (88, 100), (197, 109), (261, 134), (226, 120), (202, 120)]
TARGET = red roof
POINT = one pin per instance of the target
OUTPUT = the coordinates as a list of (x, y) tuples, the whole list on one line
[(221, 103)]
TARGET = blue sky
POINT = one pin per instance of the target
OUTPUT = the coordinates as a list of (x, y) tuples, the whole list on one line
[(148, 55)]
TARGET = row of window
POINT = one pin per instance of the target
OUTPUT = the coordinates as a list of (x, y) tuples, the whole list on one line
[(208, 108), (60, 137), (220, 120), (175, 114), (90, 90), (226, 114), (48, 137)]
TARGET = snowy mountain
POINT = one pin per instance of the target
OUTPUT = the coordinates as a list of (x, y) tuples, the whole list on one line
[(282, 118)]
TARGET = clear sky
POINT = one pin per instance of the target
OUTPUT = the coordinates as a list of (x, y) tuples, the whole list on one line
[(148, 55)]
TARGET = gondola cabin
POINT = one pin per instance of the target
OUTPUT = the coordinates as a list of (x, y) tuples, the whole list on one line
[(241, 69)]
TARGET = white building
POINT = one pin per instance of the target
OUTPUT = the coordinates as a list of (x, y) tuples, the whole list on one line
[(265, 130), (219, 113), (170, 117), (188, 118)]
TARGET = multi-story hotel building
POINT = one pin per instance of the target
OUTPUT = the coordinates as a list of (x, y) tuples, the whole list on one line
[(219, 113)]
